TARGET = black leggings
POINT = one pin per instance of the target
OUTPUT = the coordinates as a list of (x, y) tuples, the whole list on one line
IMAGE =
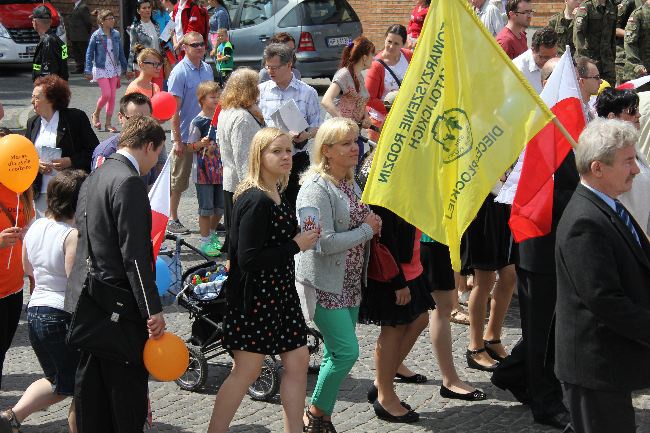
[(10, 309)]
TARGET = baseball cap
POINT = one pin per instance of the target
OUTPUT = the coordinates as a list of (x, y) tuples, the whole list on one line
[(41, 12)]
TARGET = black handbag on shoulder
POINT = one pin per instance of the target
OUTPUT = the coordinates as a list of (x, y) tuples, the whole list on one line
[(107, 321)]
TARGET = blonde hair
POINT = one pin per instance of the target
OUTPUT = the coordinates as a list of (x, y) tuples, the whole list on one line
[(261, 140), (186, 37), (206, 88), (331, 131), (241, 89), (102, 14), (141, 52)]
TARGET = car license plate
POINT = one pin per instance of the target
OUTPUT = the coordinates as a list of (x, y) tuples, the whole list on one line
[(338, 41), (31, 49)]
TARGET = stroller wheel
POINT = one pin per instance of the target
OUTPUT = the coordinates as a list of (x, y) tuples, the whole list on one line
[(268, 382), (197, 371), (314, 342)]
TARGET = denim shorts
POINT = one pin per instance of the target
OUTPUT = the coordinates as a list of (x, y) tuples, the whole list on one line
[(210, 199), (47, 331)]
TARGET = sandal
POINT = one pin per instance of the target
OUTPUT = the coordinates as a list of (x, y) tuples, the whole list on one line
[(459, 316), (96, 122), (494, 355), (8, 422), (317, 424), (111, 128)]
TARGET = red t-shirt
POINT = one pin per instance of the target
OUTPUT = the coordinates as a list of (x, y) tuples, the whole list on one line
[(418, 15), (511, 44), (11, 279)]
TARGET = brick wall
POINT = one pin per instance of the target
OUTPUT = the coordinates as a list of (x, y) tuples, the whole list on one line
[(377, 15), (66, 6)]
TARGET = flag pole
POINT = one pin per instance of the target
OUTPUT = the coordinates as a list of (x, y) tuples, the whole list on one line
[(564, 132)]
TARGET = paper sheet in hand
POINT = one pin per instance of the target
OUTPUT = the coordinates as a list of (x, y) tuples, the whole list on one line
[(167, 31), (48, 154), (308, 219), (289, 118)]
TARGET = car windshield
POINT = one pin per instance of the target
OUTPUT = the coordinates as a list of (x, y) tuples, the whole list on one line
[(13, 2)]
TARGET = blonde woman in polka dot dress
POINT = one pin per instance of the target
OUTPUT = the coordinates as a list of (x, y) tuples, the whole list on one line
[(263, 314)]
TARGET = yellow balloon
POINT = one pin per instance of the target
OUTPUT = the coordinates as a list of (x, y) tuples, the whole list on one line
[(18, 162), (166, 358)]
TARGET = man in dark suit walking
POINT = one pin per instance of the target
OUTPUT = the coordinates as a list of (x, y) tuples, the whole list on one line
[(78, 29), (602, 257), (114, 221)]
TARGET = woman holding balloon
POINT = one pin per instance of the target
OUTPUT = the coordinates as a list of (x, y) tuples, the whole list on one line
[(16, 211), (63, 136), (48, 253)]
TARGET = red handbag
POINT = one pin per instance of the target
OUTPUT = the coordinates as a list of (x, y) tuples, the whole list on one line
[(382, 266)]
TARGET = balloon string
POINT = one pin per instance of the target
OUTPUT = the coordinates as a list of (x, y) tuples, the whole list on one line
[(11, 251), (146, 303)]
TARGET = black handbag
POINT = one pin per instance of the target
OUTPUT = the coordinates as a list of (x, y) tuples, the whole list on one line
[(107, 321)]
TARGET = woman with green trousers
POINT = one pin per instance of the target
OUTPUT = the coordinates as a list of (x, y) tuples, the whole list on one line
[(329, 278)]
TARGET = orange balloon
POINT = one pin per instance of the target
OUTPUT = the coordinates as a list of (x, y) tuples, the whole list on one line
[(166, 358), (18, 162)]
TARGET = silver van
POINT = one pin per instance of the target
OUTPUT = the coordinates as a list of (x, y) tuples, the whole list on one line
[(322, 28)]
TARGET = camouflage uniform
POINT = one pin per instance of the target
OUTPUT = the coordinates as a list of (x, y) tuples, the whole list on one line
[(594, 35), (564, 29), (625, 8), (637, 44)]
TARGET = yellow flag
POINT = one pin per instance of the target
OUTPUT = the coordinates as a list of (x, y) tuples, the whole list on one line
[(462, 116)]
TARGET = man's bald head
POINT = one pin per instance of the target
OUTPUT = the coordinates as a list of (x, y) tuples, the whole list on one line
[(548, 68)]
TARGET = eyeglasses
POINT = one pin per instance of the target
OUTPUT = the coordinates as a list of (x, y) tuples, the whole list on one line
[(154, 64), (530, 12), (274, 68), (631, 111), (196, 44), (595, 77)]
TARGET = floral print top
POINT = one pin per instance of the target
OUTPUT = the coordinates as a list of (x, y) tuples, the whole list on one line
[(351, 294)]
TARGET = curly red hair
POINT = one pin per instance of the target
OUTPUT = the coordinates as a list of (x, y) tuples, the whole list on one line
[(56, 90)]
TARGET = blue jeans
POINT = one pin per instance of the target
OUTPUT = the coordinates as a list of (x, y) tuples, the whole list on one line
[(47, 331)]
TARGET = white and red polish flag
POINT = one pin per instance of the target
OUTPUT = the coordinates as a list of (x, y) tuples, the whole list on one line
[(634, 84), (532, 207), (159, 200)]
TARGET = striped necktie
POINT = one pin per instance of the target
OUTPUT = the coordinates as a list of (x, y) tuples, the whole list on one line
[(625, 216)]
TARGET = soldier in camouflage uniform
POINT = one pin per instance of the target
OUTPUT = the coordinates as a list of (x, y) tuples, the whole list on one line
[(562, 23), (594, 35), (637, 44), (625, 8)]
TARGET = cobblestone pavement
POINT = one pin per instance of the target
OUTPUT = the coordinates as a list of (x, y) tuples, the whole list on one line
[(180, 411)]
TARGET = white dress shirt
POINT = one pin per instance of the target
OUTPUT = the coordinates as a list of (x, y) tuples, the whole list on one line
[(47, 138), (130, 158), (526, 64)]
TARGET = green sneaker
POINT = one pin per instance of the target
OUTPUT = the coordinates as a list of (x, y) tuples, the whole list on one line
[(210, 249), (214, 240)]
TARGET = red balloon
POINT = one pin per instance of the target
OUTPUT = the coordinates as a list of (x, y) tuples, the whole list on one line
[(164, 106)]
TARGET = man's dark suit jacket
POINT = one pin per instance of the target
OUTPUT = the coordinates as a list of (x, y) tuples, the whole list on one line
[(79, 24), (537, 254), (115, 201), (74, 136), (602, 333)]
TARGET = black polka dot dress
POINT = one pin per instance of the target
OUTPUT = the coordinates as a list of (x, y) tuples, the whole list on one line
[(273, 323)]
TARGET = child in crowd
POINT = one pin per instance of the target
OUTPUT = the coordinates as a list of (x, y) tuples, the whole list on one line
[(223, 54), (207, 171)]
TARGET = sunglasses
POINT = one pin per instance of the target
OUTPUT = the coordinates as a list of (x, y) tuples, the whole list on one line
[(197, 44), (154, 64)]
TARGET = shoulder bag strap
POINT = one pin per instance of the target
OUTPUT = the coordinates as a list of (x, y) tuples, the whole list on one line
[(390, 71), (262, 124), (10, 217), (110, 58)]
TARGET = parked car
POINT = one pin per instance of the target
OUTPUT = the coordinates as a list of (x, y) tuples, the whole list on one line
[(322, 28), (18, 39)]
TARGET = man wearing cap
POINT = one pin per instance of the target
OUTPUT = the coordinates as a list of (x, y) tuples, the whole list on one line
[(51, 56)]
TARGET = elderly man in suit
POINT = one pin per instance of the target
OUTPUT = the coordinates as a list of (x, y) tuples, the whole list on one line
[(114, 252), (78, 29), (602, 338)]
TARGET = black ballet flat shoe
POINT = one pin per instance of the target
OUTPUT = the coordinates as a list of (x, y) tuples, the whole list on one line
[(383, 414), (491, 352), (471, 362), (475, 395), (373, 392), (416, 378)]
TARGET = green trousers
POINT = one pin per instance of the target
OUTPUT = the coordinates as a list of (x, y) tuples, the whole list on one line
[(340, 353)]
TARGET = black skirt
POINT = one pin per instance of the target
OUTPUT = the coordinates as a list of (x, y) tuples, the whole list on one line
[(487, 243), (438, 272), (378, 303)]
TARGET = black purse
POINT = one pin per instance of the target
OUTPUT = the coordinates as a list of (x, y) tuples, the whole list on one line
[(107, 321)]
